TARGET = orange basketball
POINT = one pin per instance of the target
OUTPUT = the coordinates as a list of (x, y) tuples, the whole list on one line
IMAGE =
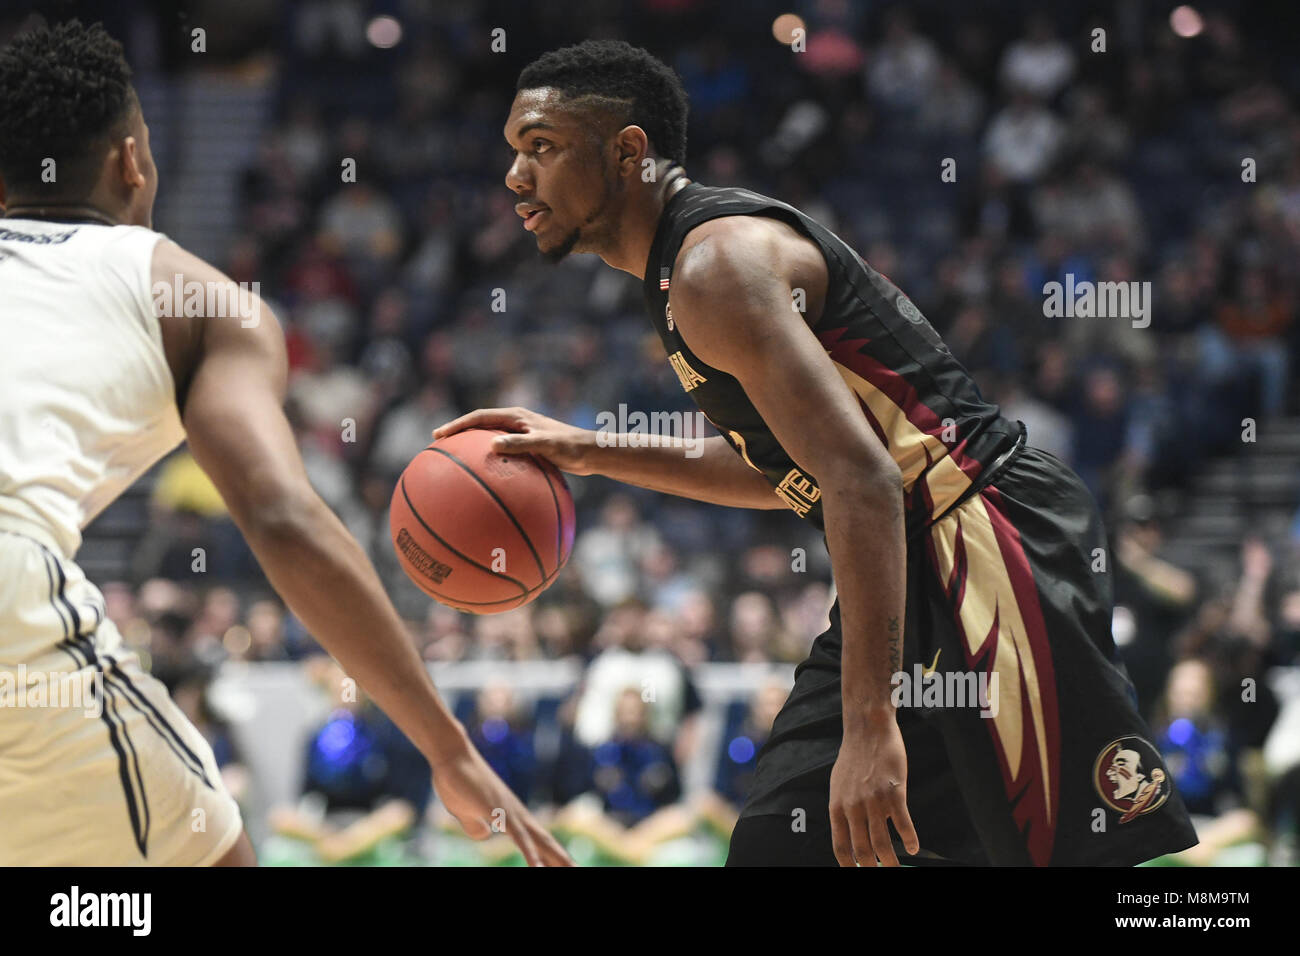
[(480, 531)]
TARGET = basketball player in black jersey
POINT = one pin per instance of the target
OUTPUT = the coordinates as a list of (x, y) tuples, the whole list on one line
[(960, 552)]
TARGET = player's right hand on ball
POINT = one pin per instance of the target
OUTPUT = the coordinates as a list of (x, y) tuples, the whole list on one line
[(483, 805), (562, 445)]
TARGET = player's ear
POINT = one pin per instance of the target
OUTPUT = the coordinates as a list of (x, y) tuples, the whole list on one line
[(631, 146), (129, 163)]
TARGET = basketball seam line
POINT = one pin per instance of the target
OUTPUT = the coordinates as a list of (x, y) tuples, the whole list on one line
[(500, 504), (456, 604), (464, 557), (559, 523), (452, 602)]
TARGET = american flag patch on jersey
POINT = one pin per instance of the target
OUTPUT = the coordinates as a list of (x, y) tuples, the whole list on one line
[(663, 279)]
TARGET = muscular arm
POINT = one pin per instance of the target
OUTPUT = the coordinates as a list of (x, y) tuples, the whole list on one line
[(718, 476), (234, 372), (239, 435), (731, 297), (732, 302)]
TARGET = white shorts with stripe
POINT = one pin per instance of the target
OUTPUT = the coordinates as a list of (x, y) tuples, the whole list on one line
[(97, 766)]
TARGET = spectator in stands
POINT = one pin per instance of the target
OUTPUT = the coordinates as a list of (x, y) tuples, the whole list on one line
[(367, 783), (634, 779), (953, 106), (362, 225), (190, 689), (1158, 594), (628, 659), (507, 636), (1194, 741), (1252, 335), (1047, 429), (504, 739), (1091, 209), (1100, 420), (635, 774), (1199, 755), (1039, 63), (1023, 139), (903, 68), (739, 754), (405, 429), (607, 554), (755, 628)]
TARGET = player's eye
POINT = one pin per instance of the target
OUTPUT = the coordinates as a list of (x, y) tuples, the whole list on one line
[(539, 146)]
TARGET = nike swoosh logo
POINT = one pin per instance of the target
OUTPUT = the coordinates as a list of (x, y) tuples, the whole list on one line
[(933, 664)]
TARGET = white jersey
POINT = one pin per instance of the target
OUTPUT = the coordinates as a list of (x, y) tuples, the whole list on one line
[(87, 401), (99, 767)]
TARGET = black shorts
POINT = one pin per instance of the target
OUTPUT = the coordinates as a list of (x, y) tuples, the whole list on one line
[(1061, 771)]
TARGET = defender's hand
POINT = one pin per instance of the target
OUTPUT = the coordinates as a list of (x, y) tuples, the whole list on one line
[(869, 788), (564, 446), (478, 799)]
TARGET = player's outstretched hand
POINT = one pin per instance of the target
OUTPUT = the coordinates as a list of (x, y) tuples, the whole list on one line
[(564, 446), (483, 805), (868, 789)]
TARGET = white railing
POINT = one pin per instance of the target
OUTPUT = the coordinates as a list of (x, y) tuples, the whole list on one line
[(273, 707)]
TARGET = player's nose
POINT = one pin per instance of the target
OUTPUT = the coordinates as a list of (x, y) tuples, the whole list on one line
[(515, 177)]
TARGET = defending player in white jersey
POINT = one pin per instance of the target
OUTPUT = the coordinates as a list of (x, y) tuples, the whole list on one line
[(94, 388)]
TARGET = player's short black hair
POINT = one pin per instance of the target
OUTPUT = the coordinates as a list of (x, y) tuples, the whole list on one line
[(623, 80), (65, 91)]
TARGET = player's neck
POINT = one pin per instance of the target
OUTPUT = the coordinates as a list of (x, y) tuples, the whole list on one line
[(59, 211), (641, 223)]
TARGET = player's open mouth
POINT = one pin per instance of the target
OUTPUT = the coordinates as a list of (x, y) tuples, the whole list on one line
[(530, 222)]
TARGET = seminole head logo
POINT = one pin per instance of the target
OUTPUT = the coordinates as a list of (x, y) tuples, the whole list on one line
[(1131, 778)]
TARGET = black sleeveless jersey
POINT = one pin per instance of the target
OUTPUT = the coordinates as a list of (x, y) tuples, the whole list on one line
[(919, 400)]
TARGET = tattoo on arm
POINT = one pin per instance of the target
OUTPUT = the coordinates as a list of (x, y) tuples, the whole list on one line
[(895, 646)]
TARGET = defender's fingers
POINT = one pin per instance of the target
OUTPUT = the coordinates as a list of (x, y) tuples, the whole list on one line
[(475, 828), (552, 853), (524, 841)]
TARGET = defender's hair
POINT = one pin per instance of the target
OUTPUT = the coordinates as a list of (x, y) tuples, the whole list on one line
[(65, 93)]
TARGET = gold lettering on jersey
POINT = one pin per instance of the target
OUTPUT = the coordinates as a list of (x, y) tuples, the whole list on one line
[(798, 491), (685, 374)]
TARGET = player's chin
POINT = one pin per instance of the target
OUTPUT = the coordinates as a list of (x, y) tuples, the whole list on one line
[(555, 251)]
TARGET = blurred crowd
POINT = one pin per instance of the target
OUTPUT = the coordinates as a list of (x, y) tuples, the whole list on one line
[(1136, 155)]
